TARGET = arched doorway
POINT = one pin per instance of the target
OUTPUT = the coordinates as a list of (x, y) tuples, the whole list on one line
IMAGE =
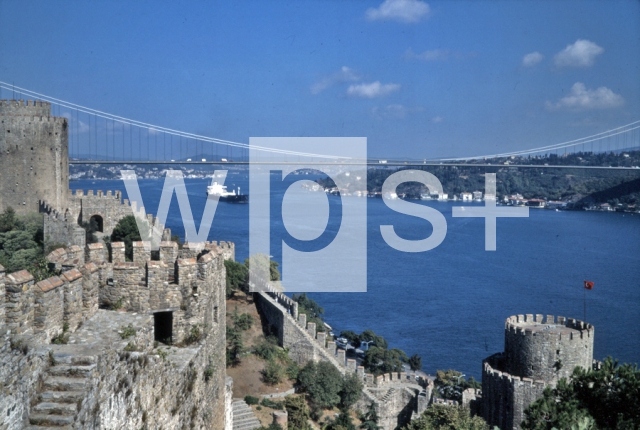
[(99, 222)]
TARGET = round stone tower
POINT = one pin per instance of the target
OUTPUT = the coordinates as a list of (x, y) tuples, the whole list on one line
[(546, 349), (538, 352), (34, 156)]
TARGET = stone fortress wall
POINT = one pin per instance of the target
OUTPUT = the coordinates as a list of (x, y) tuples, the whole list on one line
[(399, 396), (107, 208), (99, 380), (34, 159), (539, 350)]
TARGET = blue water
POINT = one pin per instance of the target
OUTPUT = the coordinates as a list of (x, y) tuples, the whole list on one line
[(449, 304)]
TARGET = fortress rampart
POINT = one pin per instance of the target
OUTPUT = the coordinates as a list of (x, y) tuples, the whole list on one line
[(539, 350), (22, 107), (34, 158), (399, 396), (116, 383)]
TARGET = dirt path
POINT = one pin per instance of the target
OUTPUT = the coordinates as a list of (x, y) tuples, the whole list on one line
[(247, 377)]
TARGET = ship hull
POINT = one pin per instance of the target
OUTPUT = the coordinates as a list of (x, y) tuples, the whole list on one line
[(239, 198)]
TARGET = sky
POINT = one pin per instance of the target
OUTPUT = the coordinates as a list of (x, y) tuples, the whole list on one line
[(418, 79)]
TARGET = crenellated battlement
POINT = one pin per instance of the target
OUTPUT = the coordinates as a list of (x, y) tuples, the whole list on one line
[(24, 103), (34, 119), (94, 277), (109, 194), (548, 325), (22, 107), (513, 380)]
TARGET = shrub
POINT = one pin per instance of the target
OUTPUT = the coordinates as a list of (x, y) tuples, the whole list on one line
[(127, 331), (208, 372), (273, 373), (268, 350), (251, 400), (130, 347), (272, 404), (244, 322), (118, 305), (195, 335)]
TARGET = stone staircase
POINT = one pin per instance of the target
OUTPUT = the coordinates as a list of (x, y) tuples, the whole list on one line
[(63, 390), (387, 396), (243, 416)]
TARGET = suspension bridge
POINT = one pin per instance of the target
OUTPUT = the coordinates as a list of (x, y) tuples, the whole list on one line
[(98, 137)]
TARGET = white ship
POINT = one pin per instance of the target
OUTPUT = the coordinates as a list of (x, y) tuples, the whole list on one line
[(216, 189)]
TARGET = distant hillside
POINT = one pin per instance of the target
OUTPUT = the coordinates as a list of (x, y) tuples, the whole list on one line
[(580, 187)]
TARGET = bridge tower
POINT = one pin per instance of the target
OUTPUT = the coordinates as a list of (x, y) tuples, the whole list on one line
[(34, 156)]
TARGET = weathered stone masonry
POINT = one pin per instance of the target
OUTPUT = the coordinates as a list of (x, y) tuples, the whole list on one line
[(34, 159), (399, 396), (99, 380), (539, 350)]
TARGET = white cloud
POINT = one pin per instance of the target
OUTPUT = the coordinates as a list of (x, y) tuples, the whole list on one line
[(433, 55), (399, 10), (345, 74), (582, 98), (374, 89), (437, 119), (581, 54), (395, 111), (532, 59)]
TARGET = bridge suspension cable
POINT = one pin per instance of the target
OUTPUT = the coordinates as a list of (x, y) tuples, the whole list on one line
[(568, 144), (157, 128), (92, 136)]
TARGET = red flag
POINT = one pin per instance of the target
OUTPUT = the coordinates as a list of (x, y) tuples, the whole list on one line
[(588, 285)]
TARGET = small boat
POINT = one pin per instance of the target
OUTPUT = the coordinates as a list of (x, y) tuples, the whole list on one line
[(216, 189)]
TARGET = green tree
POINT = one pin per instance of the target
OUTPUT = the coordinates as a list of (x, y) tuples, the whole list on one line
[(351, 390), (322, 382), (352, 337), (370, 419), (444, 417), (342, 422), (298, 413), (415, 362), (8, 220), (378, 360), (21, 244), (369, 335), (127, 231), (237, 277), (273, 270), (451, 383), (263, 265), (235, 346), (610, 396)]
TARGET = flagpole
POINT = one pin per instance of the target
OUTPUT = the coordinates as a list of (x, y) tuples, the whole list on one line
[(585, 305)]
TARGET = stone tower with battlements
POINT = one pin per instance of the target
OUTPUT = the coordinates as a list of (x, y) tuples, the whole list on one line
[(539, 350), (34, 158)]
